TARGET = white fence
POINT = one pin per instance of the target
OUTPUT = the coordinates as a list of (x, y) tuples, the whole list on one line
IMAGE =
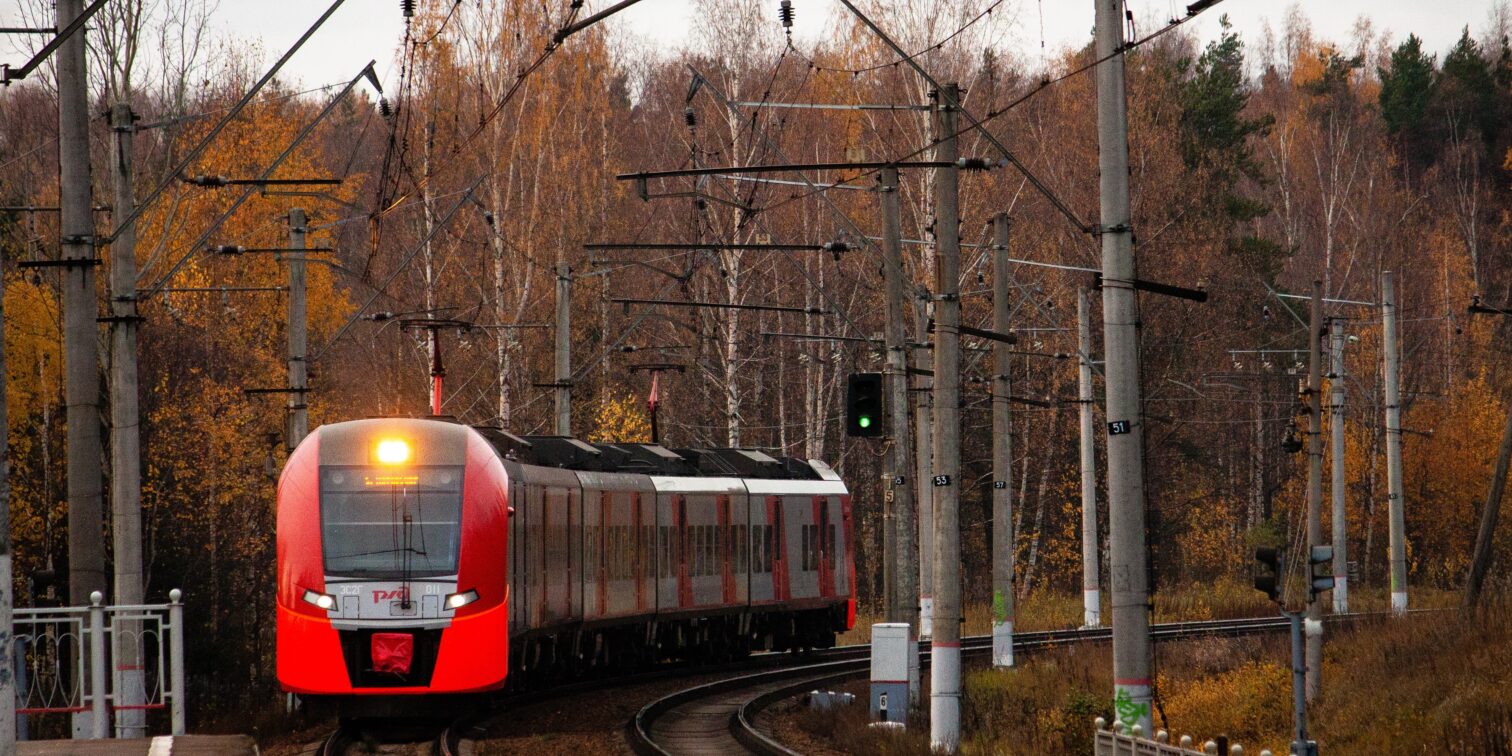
[(62, 655), (1118, 742)]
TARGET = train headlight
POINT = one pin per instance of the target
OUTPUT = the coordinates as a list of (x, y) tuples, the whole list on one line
[(320, 599), (393, 451), (459, 600)]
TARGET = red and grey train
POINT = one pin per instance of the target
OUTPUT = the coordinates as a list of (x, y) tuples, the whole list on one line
[(421, 559)]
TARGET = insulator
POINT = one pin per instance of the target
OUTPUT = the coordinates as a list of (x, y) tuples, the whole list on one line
[(408, 7), (384, 108), (785, 12), (691, 117)]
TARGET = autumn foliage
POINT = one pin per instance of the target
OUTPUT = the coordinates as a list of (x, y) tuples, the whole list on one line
[(1258, 165)]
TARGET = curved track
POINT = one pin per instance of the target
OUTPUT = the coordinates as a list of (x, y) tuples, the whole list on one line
[(719, 717)]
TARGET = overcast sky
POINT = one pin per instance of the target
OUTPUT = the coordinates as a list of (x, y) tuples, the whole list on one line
[(364, 30)]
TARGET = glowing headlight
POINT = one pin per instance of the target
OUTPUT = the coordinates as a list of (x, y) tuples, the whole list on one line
[(459, 600), (320, 599), (393, 451)]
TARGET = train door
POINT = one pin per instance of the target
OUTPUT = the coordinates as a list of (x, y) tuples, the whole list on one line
[(598, 566), (683, 552), (778, 541), (724, 562), (667, 536), (845, 571), (760, 519), (824, 539), (643, 523), (519, 553), (740, 546)]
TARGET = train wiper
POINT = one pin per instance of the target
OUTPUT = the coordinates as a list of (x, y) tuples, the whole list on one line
[(403, 550)]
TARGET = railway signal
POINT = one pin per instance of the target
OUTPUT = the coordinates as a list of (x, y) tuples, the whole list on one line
[(1268, 572), (863, 405), (1320, 570)]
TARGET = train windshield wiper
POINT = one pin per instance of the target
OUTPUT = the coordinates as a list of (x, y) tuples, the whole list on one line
[(402, 550)]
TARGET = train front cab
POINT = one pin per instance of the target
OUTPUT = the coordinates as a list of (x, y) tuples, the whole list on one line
[(391, 541)]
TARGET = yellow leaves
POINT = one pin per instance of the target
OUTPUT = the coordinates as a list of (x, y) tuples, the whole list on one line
[(1250, 703), (620, 417), (33, 344)]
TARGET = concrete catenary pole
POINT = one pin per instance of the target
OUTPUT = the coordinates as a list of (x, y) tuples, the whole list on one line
[(1398, 529), (924, 470), (1129, 579), (945, 664), (1002, 455), (563, 381), (125, 434), (7, 596), (1091, 593), (1340, 522), (299, 412), (901, 460), (1314, 625), (86, 532)]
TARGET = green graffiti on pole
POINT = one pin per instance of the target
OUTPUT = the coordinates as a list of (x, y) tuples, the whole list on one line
[(999, 607), (1129, 712)]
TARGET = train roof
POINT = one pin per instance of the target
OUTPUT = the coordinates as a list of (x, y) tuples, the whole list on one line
[(570, 453)]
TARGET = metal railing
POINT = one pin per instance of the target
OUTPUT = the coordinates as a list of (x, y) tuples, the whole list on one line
[(1121, 741), (62, 655)]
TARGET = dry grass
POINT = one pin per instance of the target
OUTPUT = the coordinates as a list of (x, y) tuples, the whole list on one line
[(1434, 683)]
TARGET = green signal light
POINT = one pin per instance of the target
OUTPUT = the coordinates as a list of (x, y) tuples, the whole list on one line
[(864, 421)]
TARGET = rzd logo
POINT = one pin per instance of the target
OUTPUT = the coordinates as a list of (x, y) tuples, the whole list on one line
[(398, 594)]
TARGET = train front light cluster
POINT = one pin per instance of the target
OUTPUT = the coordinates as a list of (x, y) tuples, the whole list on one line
[(461, 599), (320, 600), (393, 451)]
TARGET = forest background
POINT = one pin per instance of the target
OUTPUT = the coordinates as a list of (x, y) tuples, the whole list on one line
[(1259, 164)]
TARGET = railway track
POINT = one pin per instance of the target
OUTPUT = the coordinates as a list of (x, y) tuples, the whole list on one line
[(351, 740), (719, 717)]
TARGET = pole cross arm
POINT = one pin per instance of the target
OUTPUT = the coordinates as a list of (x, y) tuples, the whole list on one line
[(858, 165), (981, 333), (695, 246), (1179, 292), (8, 74), (719, 305), (1476, 308)]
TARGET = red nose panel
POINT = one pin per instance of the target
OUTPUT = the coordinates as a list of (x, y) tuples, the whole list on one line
[(393, 652)]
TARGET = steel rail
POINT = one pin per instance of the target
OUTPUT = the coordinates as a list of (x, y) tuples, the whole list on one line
[(741, 720)]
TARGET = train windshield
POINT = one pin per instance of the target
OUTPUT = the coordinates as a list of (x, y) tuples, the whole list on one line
[(391, 524)]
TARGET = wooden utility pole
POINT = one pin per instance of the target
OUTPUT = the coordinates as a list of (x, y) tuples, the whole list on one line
[(563, 381), (1091, 593), (86, 532), (1336, 487), (1129, 580), (905, 590), (299, 412), (945, 665), (1480, 561), (924, 469), (125, 433), (1398, 522), (1002, 455), (1314, 626)]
